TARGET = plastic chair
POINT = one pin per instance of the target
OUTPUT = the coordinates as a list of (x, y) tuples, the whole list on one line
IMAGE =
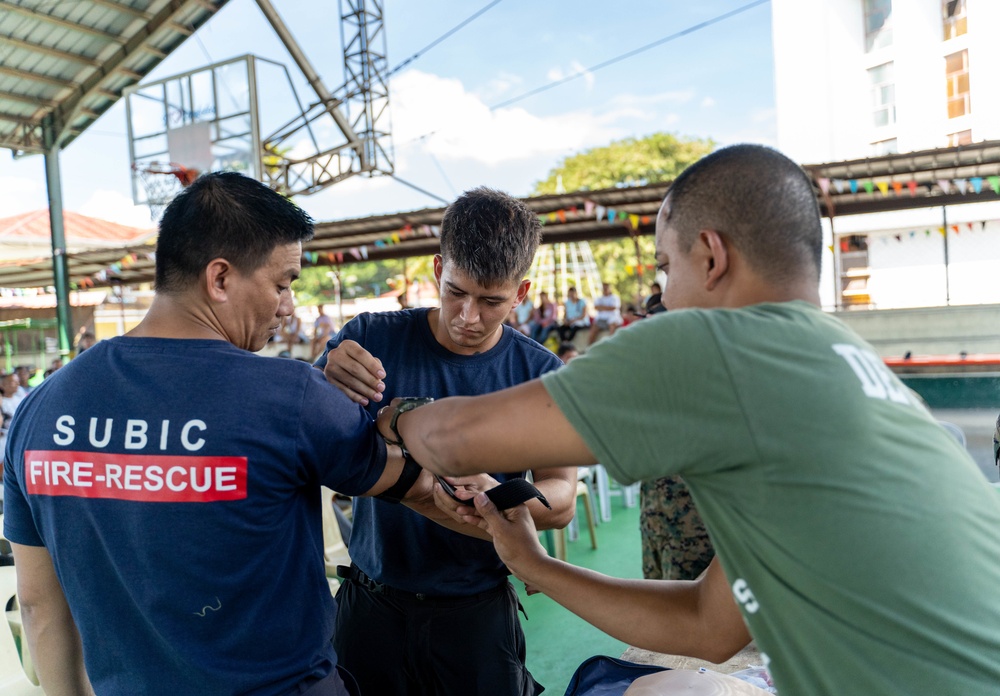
[(629, 494), (14, 676), (582, 490), (334, 549)]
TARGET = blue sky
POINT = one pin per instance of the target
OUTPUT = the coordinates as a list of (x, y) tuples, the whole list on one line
[(715, 83)]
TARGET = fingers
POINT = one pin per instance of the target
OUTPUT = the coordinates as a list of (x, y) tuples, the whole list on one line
[(356, 372)]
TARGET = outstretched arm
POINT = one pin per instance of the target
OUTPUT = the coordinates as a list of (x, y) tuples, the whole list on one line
[(462, 435), (53, 639), (697, 618)]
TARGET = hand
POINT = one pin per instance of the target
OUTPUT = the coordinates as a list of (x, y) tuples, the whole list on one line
[(466, 488), (514, 536), (356, 372)]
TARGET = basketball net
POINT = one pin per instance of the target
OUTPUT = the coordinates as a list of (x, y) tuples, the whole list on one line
[(162, 181)]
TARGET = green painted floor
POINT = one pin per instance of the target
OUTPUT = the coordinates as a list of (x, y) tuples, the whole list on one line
[(557, 640)]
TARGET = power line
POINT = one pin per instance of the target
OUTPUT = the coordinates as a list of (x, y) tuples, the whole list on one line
[(441, 38), (616, 59)]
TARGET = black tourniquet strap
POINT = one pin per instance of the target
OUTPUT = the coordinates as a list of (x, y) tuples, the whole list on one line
[(514, 492)]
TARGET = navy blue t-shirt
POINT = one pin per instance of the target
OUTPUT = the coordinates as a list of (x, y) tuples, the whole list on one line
[(176, 485), (391, 543)]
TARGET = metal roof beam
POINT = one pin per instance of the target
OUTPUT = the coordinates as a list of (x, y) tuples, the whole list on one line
[(124, 9), (58, 21), (25, 99), (36, 77), (54, 52), (95, 83)]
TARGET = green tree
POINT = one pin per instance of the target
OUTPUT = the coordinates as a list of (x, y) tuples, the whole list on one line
[(628, 162)]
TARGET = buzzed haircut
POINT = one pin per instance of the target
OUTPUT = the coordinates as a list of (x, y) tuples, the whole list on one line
[(224, 215), (759, 200), (490, 236)]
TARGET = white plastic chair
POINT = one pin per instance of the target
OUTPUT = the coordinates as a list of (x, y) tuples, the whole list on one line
[(334, 548), (14, 680)]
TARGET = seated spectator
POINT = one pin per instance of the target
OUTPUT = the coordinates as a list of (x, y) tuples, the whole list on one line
[(323, 330), (24, 374), (575, 316), (566, 352), (291, 331), (631, 315), (11, 396), (653, 302), (522, 316), (85, 340), (543, 322), (607, 308)]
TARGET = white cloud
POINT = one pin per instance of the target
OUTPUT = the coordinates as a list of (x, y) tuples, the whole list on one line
[(576, 68), (115, 207), (499, 86), (707, 103), (20, 194), (465, 129)]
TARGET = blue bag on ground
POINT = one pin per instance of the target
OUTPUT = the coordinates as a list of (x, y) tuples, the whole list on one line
[(601, 675)]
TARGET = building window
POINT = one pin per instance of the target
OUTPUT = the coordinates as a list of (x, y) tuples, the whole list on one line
[(955, 20), (878, 24), (883, 95), (960, 138), (957, 74), (884, 147)]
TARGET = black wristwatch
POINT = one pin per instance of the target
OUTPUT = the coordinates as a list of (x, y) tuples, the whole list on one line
[(407, 403)]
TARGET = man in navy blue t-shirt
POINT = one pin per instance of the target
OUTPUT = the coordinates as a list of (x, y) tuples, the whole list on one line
[(163, 502), (426, 607)]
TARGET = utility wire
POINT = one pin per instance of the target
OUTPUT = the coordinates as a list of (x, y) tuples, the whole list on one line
[(441, 38), (616, 59)]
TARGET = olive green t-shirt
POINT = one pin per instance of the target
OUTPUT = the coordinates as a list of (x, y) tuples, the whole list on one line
[(860, 539)]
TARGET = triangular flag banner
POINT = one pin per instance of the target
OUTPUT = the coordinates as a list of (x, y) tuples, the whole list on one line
[(897, 187), (599, 210), (353, 251), (912, 185), (839, 185), (869, 186), (395, 237), (588, 207), (364, 252), (912, 234), (634, 221), (883, 186), (927, 233), (561, 214), (612, 215), (645, 219), (824, 185), (622, 215), (340, 257), (898, 237), (995, 183), (330, 257), (977, 183), (945, 185), (830, 248), (553, 217), (954, 228), (961, 185), (854, 185), (970, 226), (941, 231)]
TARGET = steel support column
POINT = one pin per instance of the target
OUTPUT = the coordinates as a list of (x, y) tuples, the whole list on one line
[(60, 267)]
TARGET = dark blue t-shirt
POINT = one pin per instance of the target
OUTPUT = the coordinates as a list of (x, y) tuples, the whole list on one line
[(176, 485), (391, 543)]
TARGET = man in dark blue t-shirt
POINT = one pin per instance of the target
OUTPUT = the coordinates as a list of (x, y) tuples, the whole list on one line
[(163, 503), (426, 607)]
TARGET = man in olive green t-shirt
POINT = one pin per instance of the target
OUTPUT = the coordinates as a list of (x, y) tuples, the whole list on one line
[(858, 540)]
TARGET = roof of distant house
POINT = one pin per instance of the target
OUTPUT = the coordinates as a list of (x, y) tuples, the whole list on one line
[(82, 232)]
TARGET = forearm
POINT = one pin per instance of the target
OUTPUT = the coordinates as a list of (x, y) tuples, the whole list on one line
[(561, 494), (662, 616), (54, 645), (435, 514)]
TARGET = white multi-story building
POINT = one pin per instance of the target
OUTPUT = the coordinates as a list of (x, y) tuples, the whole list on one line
[(863, 78)]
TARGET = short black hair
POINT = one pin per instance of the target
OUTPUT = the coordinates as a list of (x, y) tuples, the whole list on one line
[(565, 347), (490, 236), (224, 215), (758, 199)]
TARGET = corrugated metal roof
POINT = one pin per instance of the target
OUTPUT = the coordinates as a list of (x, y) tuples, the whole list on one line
[(82, 232), (68, 62)]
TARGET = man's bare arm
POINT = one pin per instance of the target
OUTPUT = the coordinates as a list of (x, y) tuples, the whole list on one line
[(696, 618), (53, 639), (466, 435)]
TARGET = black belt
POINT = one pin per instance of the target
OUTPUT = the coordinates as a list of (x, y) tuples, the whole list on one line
[(355, 574)]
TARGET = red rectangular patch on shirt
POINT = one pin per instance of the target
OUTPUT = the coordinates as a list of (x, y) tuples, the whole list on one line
[(146, 478)]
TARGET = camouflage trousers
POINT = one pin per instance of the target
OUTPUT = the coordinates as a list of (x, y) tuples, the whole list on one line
[(675, 543)]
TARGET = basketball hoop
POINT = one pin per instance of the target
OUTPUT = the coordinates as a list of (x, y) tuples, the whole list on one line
[(162, 181)]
